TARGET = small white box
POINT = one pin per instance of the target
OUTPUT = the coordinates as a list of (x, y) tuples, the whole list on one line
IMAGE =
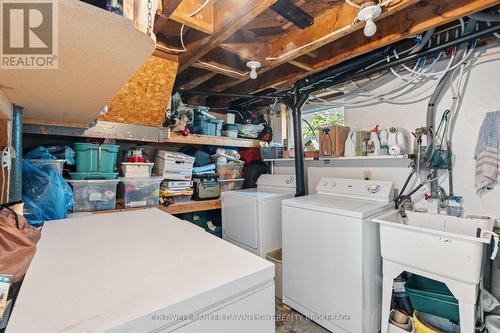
[(173, 165), (137, 170), (229, 118)]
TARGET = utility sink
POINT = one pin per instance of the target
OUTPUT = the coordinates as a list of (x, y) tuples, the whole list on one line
[(444, 245)]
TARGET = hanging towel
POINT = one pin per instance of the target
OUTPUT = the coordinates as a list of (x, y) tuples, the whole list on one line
[(487, 154)]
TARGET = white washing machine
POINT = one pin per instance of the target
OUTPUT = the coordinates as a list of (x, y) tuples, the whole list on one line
[(251, 218), (332, 268)]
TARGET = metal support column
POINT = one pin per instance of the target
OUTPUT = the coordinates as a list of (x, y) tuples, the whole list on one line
[(16, 172), (298, 103)]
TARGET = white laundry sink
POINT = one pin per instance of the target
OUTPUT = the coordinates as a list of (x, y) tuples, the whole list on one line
[(444, 245)]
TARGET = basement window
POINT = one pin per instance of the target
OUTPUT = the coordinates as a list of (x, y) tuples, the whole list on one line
[(313, 120)]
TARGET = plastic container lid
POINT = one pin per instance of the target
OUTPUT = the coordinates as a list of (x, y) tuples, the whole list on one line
[(135, 180), (93, 181)]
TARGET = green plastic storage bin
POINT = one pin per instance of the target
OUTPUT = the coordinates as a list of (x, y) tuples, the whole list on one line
[(432, 297), (91, 157)]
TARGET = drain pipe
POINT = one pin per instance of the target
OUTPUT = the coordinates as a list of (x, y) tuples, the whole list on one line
[(431, 115), (296, 105), (16, 172)]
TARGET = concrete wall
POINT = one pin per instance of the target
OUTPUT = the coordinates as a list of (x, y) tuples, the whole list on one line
[(480, 96)]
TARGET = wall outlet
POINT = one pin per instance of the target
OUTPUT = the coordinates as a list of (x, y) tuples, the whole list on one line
[(367, 175)]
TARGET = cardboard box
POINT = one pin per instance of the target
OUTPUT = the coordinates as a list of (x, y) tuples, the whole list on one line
[(332, 141)]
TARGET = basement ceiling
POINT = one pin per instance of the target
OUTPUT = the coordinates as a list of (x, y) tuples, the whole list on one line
[(226, 34)]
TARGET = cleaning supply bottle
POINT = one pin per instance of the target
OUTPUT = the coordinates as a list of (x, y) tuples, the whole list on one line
[(350, 145), (384, 142), (373, 146)]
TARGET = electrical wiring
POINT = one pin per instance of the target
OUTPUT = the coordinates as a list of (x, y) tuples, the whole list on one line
[(223, 69), (380, 97), (351, 3), (181, 33), (197, 11), (331, 34)]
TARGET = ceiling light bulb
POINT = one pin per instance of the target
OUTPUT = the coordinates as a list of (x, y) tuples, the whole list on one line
[(370, 27), (368, 13), (253, 73), (253, 65)]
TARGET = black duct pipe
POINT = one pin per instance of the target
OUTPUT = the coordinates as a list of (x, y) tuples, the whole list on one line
[(219, 94), (343, 68)]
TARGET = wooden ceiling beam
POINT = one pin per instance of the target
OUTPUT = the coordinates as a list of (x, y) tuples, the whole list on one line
[(169, 6), (193, 78), (336, 18), (219, 68), (417, 19), (202, 21), (249, 51), (231, 16), (333, 19), (411, 21)]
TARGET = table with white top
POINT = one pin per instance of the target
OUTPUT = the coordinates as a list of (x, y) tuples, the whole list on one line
[(142, 271)]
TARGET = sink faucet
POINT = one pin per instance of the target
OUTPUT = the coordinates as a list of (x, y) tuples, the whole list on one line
[(443, 201)]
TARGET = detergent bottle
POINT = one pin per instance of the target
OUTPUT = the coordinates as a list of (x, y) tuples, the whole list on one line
[(350, 145), (373, 146), (384, 142)]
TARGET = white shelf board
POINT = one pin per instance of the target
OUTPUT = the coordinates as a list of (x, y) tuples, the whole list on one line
[(98, 52), (353, 158)]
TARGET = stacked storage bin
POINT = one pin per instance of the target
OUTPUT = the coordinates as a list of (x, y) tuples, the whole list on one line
[(176, 170), (137, 187), (94, 182), (230, 176)]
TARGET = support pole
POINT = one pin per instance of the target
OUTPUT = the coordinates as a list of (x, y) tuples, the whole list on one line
[(298, 103), (16, 172)]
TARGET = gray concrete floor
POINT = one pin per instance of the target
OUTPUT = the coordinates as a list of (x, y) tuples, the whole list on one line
[(289, 321)]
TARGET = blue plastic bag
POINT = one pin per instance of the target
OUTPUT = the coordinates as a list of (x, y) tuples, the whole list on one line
[(55, 152), (46, 194)]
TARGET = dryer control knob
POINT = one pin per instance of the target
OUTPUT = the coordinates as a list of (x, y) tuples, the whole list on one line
[(373, 188)]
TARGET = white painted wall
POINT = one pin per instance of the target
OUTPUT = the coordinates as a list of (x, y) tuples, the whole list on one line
[(481, 96)]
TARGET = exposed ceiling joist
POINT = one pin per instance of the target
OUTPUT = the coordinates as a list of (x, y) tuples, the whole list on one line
[(231, 16), (293, 13), (220, 69), (169, 6), (333, 19), (188, 13), (417, 19), (193, 78)]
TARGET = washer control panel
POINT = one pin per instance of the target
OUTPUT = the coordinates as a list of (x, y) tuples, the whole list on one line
[(357, 188)]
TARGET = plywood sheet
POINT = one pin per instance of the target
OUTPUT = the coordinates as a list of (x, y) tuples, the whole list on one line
[(98, 53), (144, 99)]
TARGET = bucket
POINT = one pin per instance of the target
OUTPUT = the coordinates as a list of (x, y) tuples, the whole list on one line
[(92, 157)]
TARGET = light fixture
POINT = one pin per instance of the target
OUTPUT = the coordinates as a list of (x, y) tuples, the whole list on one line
[(368, 12), (253, 65)]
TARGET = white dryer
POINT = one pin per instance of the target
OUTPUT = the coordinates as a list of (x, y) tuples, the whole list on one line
[(251, 218), (331, 257)]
